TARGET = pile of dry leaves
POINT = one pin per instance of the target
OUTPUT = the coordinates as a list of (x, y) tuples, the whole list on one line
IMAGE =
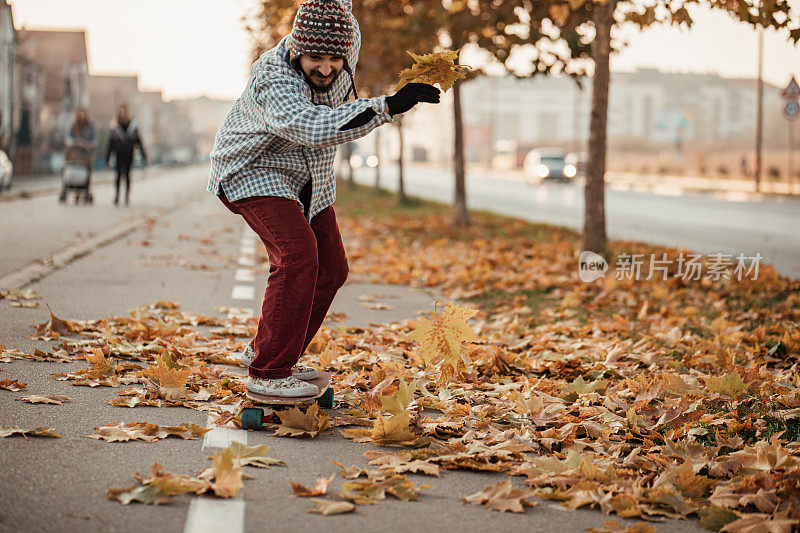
[(643, 398)]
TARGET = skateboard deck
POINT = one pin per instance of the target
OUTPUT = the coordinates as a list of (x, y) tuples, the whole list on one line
[(322, 382), (255, 417)]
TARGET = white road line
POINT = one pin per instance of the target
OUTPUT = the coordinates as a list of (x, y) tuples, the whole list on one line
[(243, 292), (222, 437), (244, 274), (208, 515), (213, 516)]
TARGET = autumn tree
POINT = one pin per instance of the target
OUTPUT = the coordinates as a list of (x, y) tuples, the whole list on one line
[(487, 24), (388, 31), (581, 22)]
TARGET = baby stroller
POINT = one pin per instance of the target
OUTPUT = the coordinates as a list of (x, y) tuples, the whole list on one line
[(77, 174)]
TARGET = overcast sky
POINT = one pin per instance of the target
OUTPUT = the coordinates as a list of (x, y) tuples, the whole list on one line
[(194, 47)]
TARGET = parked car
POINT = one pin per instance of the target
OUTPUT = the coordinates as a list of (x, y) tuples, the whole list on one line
[(6, 171), (548, 164)]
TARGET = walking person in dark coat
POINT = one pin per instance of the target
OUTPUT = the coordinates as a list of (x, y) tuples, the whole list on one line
[(124, 138)]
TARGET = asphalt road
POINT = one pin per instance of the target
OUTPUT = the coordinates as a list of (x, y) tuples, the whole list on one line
[(704, 223), (60, 484)]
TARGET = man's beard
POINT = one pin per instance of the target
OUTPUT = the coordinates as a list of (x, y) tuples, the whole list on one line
[(316, 88)]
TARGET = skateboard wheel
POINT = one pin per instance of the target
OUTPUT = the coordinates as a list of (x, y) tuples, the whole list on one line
[(326, 400), (251, 418)]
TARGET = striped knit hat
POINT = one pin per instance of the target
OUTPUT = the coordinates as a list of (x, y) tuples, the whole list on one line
[(321, 27)]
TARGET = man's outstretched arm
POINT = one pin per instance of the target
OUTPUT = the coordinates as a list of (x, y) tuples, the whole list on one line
[(406, 98), (287, 112)]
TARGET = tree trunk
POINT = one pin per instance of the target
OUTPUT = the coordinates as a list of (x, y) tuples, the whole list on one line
[(378, 155), (401, 190), (460, 214), (759, 111), (594, 222)]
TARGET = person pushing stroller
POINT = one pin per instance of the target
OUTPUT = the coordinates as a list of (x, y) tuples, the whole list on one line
[(79, 157)]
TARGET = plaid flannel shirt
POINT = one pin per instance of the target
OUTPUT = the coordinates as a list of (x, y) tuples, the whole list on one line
[(280, 133)]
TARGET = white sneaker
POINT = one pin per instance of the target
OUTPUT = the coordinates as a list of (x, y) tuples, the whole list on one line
[(299, 371), (290, 387), (304, 372)]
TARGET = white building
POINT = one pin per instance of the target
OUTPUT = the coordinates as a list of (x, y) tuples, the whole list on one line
[(646, 108)]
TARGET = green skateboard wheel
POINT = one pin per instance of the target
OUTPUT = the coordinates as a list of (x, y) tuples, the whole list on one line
[(251, 418), (326, 400)]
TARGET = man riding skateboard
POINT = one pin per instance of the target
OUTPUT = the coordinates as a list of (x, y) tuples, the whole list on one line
[(272, 163)]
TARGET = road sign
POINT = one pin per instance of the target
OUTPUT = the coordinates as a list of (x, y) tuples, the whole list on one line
[(792, 91), (791, 110)]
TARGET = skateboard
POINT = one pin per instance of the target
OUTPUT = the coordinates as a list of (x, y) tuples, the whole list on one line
[(256, 417)]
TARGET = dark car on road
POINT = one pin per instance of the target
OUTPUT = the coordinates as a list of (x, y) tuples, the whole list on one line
[(548, 164)]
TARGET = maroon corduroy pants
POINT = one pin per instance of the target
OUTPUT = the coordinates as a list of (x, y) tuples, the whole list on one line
[(307, 266)]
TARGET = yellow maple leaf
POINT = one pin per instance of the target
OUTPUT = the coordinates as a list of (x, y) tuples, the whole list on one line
[(444, 335), (730, 384), (398, 402), (437, 67), (98, 363), (227, 475), (296, 423), (171, 383), (392, 430)]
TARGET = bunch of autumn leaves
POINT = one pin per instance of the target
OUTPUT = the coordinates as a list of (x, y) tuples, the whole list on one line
[(223, 479)]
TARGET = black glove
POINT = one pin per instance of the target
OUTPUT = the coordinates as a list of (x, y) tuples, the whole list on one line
[(410, 95)]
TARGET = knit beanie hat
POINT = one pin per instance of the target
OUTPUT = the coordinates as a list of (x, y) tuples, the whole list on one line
[(321, 27)]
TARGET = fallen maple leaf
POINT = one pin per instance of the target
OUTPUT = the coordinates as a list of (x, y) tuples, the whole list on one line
[(147, 494), (760, 523), (331, 507), (350, 472), (443, 336), (14, 295), (296, 423), (502, 496), (227, 475), (438, 67), (171, 383), (730, 384), (365, 492), (8, 431), (398, 402), (123, 432), (159, 487), (244, 455), (99, 364), (55, 400), (401, 463), (56, 326), (12, 385), (385, 430), (320, 488), (690, 484)]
